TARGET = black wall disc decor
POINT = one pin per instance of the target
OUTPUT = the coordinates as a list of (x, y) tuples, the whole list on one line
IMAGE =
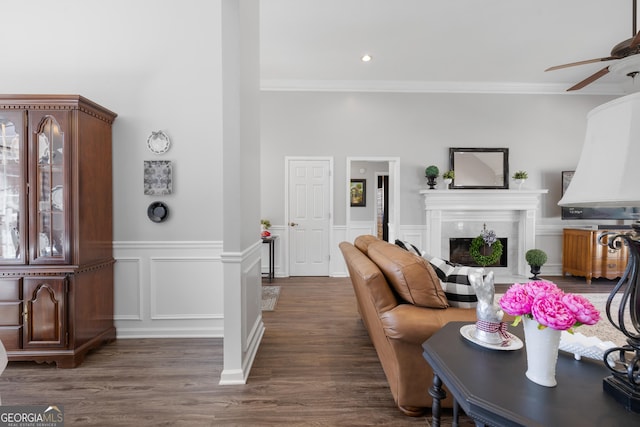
[(158, 212)]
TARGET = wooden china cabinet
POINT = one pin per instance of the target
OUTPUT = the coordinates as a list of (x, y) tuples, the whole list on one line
[(56, 233)]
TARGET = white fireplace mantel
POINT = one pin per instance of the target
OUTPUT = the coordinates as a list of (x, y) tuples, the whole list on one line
[(519, 206)]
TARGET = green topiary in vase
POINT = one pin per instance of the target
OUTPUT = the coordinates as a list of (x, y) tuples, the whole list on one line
[(431, 172), (536, 259)]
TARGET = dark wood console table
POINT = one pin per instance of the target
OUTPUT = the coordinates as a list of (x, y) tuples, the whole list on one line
[(271, 241), (491, 386)]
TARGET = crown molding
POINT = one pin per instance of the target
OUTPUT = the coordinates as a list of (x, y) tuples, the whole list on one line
[(435, 87)]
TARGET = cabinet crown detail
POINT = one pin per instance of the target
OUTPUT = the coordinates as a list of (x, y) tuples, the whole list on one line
[(56, 102)]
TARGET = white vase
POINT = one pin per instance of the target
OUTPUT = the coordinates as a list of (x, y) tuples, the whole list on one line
[(542, 352), (520, 182), (447, 182)]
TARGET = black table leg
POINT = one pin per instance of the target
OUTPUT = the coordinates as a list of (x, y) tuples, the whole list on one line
[(272, 261), (437, 393), (456, 412)]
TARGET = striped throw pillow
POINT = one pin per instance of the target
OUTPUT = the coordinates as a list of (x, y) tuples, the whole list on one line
[(455, 282)]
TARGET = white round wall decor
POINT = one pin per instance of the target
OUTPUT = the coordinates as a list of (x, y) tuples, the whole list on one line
[(158, 142)]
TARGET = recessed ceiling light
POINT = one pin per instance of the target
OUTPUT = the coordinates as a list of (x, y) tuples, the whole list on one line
[(366, 58)]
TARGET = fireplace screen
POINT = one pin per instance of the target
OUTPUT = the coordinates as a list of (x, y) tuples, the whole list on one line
[(459, 252)]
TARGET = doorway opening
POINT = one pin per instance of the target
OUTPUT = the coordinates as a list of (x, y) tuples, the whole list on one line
[(378, 213)]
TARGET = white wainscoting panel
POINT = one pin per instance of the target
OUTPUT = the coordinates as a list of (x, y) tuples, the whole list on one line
[(337, 267), (358, 228), (128, 289), (415, 234), (173, 297), (549, 239), (168, 289)]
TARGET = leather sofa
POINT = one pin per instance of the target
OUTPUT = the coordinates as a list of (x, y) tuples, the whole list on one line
[(402, 304)]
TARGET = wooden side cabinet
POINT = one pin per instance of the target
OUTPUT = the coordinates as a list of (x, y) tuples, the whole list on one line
[(584, 254), (56, 227)]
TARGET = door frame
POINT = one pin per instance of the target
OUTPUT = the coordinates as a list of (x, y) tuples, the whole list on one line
[(286, 247), (377, 175), (394, 193)]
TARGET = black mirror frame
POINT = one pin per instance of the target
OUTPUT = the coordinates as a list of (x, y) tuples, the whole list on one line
[(505, 166)]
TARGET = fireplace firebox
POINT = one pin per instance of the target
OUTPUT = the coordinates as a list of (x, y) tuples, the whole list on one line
[(459, 252)]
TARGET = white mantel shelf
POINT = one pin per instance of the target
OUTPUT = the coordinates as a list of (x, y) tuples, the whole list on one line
[(482, 199), (443, 206)]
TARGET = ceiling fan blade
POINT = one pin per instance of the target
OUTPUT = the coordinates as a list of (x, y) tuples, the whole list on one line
[(588, 61), (592, 78)]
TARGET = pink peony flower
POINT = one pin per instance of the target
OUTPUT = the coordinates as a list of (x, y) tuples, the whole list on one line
[(549, 310), (539, 287), (582, 309), (547, 304), (516, 301)]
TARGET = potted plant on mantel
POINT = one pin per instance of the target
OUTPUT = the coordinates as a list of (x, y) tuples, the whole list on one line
[(448, 177), (520, 177), (536, 259), (431, 172)]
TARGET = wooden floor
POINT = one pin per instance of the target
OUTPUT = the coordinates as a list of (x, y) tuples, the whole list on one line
[(316, 367)]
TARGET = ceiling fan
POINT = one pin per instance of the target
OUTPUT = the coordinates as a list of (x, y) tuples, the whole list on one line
[(622, 50)]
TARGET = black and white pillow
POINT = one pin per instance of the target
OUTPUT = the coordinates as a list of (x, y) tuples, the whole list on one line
[(455, 282), (408, 246)]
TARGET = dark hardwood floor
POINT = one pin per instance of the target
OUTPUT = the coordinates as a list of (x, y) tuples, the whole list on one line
[(316, 367)]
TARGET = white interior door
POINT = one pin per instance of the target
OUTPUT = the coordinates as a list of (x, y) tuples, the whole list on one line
[(309, 217)]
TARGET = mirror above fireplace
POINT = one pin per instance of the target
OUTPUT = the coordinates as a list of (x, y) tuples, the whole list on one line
[(480, 168)]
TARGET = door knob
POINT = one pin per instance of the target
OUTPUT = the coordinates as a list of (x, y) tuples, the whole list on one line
[(293, 224)]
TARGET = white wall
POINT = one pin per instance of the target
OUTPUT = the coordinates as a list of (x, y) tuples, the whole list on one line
[(243, 327), (159, 65), (544, 134)]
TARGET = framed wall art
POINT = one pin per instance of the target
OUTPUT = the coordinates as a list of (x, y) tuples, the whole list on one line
[(358, 192), (158, 179)]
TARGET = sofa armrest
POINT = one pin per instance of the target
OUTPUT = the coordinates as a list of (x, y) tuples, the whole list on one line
[(410, 323)]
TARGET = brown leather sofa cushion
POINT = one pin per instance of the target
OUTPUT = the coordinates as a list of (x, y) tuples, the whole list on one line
[(363, 242), (411, 276)]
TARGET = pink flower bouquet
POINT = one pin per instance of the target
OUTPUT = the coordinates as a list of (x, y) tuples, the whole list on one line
[(549, 306)]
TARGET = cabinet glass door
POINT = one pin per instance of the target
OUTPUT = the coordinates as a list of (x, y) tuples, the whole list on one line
[(12, 217), (50, 224)]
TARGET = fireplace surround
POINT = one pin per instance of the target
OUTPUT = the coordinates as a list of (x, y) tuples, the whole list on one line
[(462, 213)]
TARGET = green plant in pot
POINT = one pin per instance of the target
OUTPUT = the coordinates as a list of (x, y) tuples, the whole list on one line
[(431, 172), (520, 177), (448, 177), (536, 258)]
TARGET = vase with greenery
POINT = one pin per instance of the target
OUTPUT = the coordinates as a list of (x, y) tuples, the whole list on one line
[(520, 177), (536, 258), (431, 172), (266, 225), (448, 177)]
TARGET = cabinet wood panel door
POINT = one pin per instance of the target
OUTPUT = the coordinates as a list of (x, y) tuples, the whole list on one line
[(44, 313)]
